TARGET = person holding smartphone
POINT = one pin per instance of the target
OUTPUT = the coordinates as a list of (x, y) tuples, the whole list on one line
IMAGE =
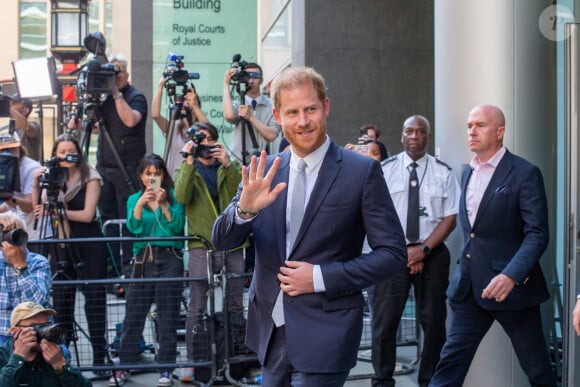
[(205, 183), (153, 212), (370, 133)]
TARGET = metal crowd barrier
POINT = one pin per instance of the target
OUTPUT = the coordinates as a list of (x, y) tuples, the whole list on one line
[(409, 334), (224, 359)]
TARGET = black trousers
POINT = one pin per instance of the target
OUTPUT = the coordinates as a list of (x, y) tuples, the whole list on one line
[(389, 300), (81, 261), (468, 324)]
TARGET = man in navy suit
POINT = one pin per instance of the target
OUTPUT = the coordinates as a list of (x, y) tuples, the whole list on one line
[(504, 220), (305, 301)]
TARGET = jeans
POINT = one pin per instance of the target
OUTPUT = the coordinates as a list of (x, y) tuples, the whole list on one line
[(166, 296)]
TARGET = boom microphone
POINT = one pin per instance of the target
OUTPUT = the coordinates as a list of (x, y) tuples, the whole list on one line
[(236, 58)]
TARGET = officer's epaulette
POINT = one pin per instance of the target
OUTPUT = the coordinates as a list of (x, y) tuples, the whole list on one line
[(386, 161), (442, 163)]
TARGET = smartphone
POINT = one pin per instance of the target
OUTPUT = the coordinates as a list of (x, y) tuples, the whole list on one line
[(155, 183), (362, 149)]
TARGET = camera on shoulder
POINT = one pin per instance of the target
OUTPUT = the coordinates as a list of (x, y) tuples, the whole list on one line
[(97, 79)]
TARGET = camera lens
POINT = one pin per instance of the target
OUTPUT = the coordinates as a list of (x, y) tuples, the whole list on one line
[(16, 236), (54, 333)]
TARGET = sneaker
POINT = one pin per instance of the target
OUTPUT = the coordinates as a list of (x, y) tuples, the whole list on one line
[(165, 379), (119, 378), (186, 374)]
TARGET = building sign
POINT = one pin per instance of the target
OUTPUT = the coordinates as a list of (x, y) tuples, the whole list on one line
[(207, 34)]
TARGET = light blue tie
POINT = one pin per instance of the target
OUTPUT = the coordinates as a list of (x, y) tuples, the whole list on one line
[(298, 198), (296, 215)]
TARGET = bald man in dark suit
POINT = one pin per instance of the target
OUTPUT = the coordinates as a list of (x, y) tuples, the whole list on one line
[(504, 221)]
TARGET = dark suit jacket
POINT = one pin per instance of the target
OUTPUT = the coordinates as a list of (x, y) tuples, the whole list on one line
[(350, 199), (509, 235)]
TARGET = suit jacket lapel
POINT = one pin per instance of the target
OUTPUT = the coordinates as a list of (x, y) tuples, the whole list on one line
[(463, 210), (279, 206), (326, 177), (501, 172)]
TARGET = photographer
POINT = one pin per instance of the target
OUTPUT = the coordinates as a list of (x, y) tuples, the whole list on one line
[(189, 114), (205, 184), (28, 131), (76, 203), (124, 113), (256, 111), (21, 200), (28, 360), (23, 275)]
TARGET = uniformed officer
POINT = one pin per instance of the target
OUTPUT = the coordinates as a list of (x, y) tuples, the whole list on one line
[(426, 196)]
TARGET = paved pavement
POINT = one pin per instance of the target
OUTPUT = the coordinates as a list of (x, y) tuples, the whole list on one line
[(359, 376)]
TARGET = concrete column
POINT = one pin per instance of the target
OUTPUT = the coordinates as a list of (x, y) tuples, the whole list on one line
[(492, 51)]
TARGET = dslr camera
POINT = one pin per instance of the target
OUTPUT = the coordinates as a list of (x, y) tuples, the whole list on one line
[(15, 236), (54, 333), (199, 150)]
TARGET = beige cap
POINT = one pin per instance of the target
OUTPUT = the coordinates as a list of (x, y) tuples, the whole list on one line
[(26, 310)]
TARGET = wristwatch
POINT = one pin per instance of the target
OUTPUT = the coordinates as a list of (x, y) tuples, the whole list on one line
[(60, 369), (241, 211), (426, 249), (20, 270)]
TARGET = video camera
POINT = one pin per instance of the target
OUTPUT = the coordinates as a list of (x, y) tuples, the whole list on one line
[(55, 176), (241, 78), (15, 236), (177, 76), (55, 333), (97, 79), (199, 150)]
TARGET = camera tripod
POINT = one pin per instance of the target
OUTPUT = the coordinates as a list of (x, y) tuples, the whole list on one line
[(245, 124), (175, 114), (65, 265), (92, 107)]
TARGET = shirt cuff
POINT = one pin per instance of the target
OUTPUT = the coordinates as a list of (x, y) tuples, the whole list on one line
[(239, 220), (319, 286)]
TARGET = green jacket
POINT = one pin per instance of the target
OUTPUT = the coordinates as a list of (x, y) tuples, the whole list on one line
[(192, 192), (16, 372)]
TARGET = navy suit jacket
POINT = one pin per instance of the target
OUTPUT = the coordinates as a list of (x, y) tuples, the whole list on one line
[(350, 199), (509, 236)]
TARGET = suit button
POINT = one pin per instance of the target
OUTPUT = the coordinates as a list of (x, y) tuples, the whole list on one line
[(472, 235), (468, 256)]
